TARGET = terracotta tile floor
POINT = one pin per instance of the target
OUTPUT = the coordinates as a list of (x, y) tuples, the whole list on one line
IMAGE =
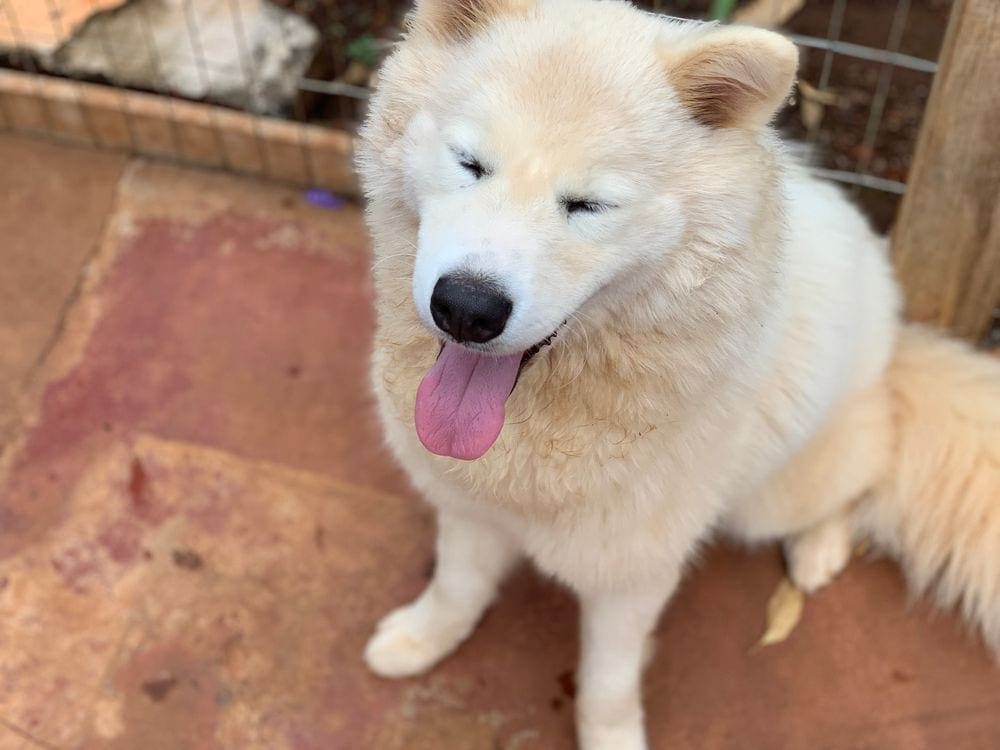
[(198, 525)]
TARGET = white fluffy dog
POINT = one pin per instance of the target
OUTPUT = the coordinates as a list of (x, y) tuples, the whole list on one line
[(615, 317)]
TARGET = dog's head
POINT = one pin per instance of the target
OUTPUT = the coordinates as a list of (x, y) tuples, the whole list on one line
[(557, 148)]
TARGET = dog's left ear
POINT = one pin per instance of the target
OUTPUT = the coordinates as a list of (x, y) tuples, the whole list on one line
[(460, 20), (732, 76)]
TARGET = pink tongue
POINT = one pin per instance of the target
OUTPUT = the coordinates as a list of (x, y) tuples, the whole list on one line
[(460, 401)]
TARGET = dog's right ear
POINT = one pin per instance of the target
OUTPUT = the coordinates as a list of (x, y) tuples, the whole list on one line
[(734, 76), (460, 20)]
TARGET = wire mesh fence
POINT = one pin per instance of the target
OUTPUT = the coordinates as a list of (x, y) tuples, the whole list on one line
[(281, 75)]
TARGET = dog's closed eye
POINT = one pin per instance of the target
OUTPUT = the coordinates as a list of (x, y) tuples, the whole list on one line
[(583, 206), (474, 168), (471, 164)]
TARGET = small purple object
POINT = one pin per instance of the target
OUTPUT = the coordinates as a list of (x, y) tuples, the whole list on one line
[(324, 198)]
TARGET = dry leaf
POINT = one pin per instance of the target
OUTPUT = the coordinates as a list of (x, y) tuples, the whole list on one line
[(812, 104), (820, 96), (811, 113), (768, 12), (784, 609), (863, 547)]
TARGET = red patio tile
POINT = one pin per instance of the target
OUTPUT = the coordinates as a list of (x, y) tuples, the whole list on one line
[(236, 325), (199, 530), (53, 205)]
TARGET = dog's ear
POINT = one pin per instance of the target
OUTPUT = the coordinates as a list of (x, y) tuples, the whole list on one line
[(733, 76), (459, 20)]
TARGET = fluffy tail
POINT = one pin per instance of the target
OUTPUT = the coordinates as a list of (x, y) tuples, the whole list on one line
[(939, 509)]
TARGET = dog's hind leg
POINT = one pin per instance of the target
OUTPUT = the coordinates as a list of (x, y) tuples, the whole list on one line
[(845, 459), (816, 555), (809, 503), (472, 559)]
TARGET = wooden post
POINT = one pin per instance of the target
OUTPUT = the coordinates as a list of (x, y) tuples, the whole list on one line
[(946, 242)]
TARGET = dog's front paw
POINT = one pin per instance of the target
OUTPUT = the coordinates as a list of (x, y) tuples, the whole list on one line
[(406, 643), (628, 736)]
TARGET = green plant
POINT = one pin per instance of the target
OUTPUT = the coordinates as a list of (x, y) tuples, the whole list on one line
[(364, 49), (721, 9)]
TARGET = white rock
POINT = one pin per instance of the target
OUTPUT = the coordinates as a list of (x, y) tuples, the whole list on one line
[(247, 53)]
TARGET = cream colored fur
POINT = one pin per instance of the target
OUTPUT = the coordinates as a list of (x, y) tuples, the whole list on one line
[(938, 506), (730, 321)]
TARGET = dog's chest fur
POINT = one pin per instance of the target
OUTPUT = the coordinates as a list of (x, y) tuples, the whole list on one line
[(595, 420)]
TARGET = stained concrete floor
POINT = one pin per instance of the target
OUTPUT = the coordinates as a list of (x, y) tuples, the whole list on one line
[(198, 525)]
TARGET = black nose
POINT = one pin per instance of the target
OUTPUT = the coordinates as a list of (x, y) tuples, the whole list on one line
[(470, 308)]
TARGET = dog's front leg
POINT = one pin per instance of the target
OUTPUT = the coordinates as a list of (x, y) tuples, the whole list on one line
[(472, 559), (615, 629)]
